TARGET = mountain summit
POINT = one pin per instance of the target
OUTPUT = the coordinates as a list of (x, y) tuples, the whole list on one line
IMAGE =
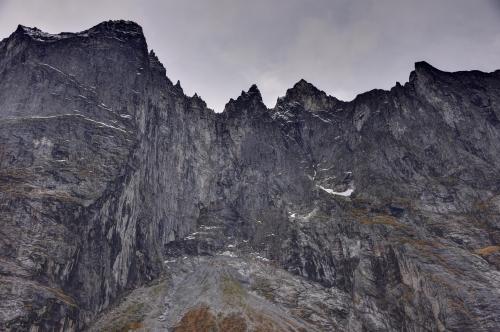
[(126, 204)]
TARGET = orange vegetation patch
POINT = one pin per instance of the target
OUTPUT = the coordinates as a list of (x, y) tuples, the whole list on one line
[(365, 217), (133, 326), (201, 319), (197, 319), (486, 251), (381, 219), (264, 323), (233, 323)]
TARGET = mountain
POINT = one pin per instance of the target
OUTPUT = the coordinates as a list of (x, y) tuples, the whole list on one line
[(127, 205)]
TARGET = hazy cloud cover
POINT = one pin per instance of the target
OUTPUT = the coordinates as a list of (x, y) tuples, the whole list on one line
[(219, 47)]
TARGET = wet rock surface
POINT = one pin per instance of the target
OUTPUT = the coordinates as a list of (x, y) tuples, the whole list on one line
[(126, 204)]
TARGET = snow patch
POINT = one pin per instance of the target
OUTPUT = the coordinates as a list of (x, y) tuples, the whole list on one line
[(346, 193), (53, 68), (229, 254), (100, 124), (310, 214), (262, 258), (43, 142), (322, 119), (244, 272), (207, 228)]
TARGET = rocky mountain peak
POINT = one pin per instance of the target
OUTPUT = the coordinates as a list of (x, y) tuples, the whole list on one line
[(248, 101), (35, 33), (121, 29), (307, 96), (304, 87), (425, 71), (424, 66), (118, 26), (178, 87), (156, 64), (27, 30), (254, 91), (252, 94)]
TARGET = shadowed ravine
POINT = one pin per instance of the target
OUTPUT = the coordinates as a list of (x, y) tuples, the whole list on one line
[(127, 205)]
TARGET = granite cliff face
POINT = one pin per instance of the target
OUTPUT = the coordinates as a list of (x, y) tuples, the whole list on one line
[(126, 204)]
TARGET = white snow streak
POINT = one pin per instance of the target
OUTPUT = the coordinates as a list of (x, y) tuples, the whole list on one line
[(346, 193), (229, 254), (100, 124)]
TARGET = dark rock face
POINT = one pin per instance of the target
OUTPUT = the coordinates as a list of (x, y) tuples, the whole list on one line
[(379, 214)]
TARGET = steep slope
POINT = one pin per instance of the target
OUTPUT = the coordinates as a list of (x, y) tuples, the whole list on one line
[(377, 214)]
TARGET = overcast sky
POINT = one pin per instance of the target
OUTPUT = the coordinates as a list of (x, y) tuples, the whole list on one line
[(219, 47)]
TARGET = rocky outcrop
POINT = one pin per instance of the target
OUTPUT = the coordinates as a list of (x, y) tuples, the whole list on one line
[(120, 194)]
